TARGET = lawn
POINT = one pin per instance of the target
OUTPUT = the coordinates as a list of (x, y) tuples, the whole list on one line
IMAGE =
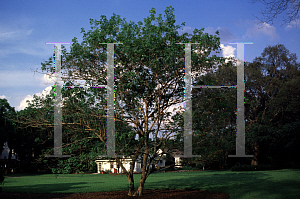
[(273, 184)]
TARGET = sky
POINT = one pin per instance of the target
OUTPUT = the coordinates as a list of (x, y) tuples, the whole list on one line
[(25, 26)]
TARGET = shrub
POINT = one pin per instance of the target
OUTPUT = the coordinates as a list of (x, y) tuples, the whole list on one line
[(187, 168), (292, 165), (172, 168), (67, 167), (66, 170), (93, 167), (44, 172), (55, 171), (262, 167)]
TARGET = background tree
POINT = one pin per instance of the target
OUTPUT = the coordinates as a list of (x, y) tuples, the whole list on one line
[(21, 140), (277, 7), (29, 139), (272, 117), (271, 111), (149, 77), (218, 121), (214, 118), (7, 129), (81, 126)]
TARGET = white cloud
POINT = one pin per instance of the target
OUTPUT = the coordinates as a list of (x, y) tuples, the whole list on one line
[(49, 78), (293, 24), (46, 79), (264, 29), (24, 104), (7, 98), (228, 51)]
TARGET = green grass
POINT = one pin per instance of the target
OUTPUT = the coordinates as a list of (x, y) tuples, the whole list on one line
[(273, 184)]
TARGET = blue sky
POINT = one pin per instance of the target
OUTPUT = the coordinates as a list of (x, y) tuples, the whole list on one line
[(25, 26)]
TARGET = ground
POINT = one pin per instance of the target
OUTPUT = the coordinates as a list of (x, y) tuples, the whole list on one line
[(159, 194), (147, 194)]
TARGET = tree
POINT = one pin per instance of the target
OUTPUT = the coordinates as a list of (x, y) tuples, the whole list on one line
[(6, 125), (21, 140), (271, 111), (7, 128), (80, 125), (214, 118), (272, 115), (149, 78), (277, 7), (219, 119), (28, 138)]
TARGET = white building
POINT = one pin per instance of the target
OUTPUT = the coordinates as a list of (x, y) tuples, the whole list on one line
[(104, 164), (111, 165)]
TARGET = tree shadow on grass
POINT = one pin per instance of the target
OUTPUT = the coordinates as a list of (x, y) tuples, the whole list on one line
[(236, 184), (46, 188)]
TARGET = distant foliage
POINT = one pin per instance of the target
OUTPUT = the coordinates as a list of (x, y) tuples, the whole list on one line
[(187, 168), (262, 167), (72, 165)]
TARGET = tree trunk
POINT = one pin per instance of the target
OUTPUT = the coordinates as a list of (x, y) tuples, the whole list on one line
[(131, 185), (139, 192), (225, 159), (255, 156)]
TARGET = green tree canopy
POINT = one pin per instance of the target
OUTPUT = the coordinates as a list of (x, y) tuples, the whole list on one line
[(7, 127), (149, 78), (272, 117)]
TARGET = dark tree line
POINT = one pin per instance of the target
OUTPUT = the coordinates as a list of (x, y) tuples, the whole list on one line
[(271, 112)]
